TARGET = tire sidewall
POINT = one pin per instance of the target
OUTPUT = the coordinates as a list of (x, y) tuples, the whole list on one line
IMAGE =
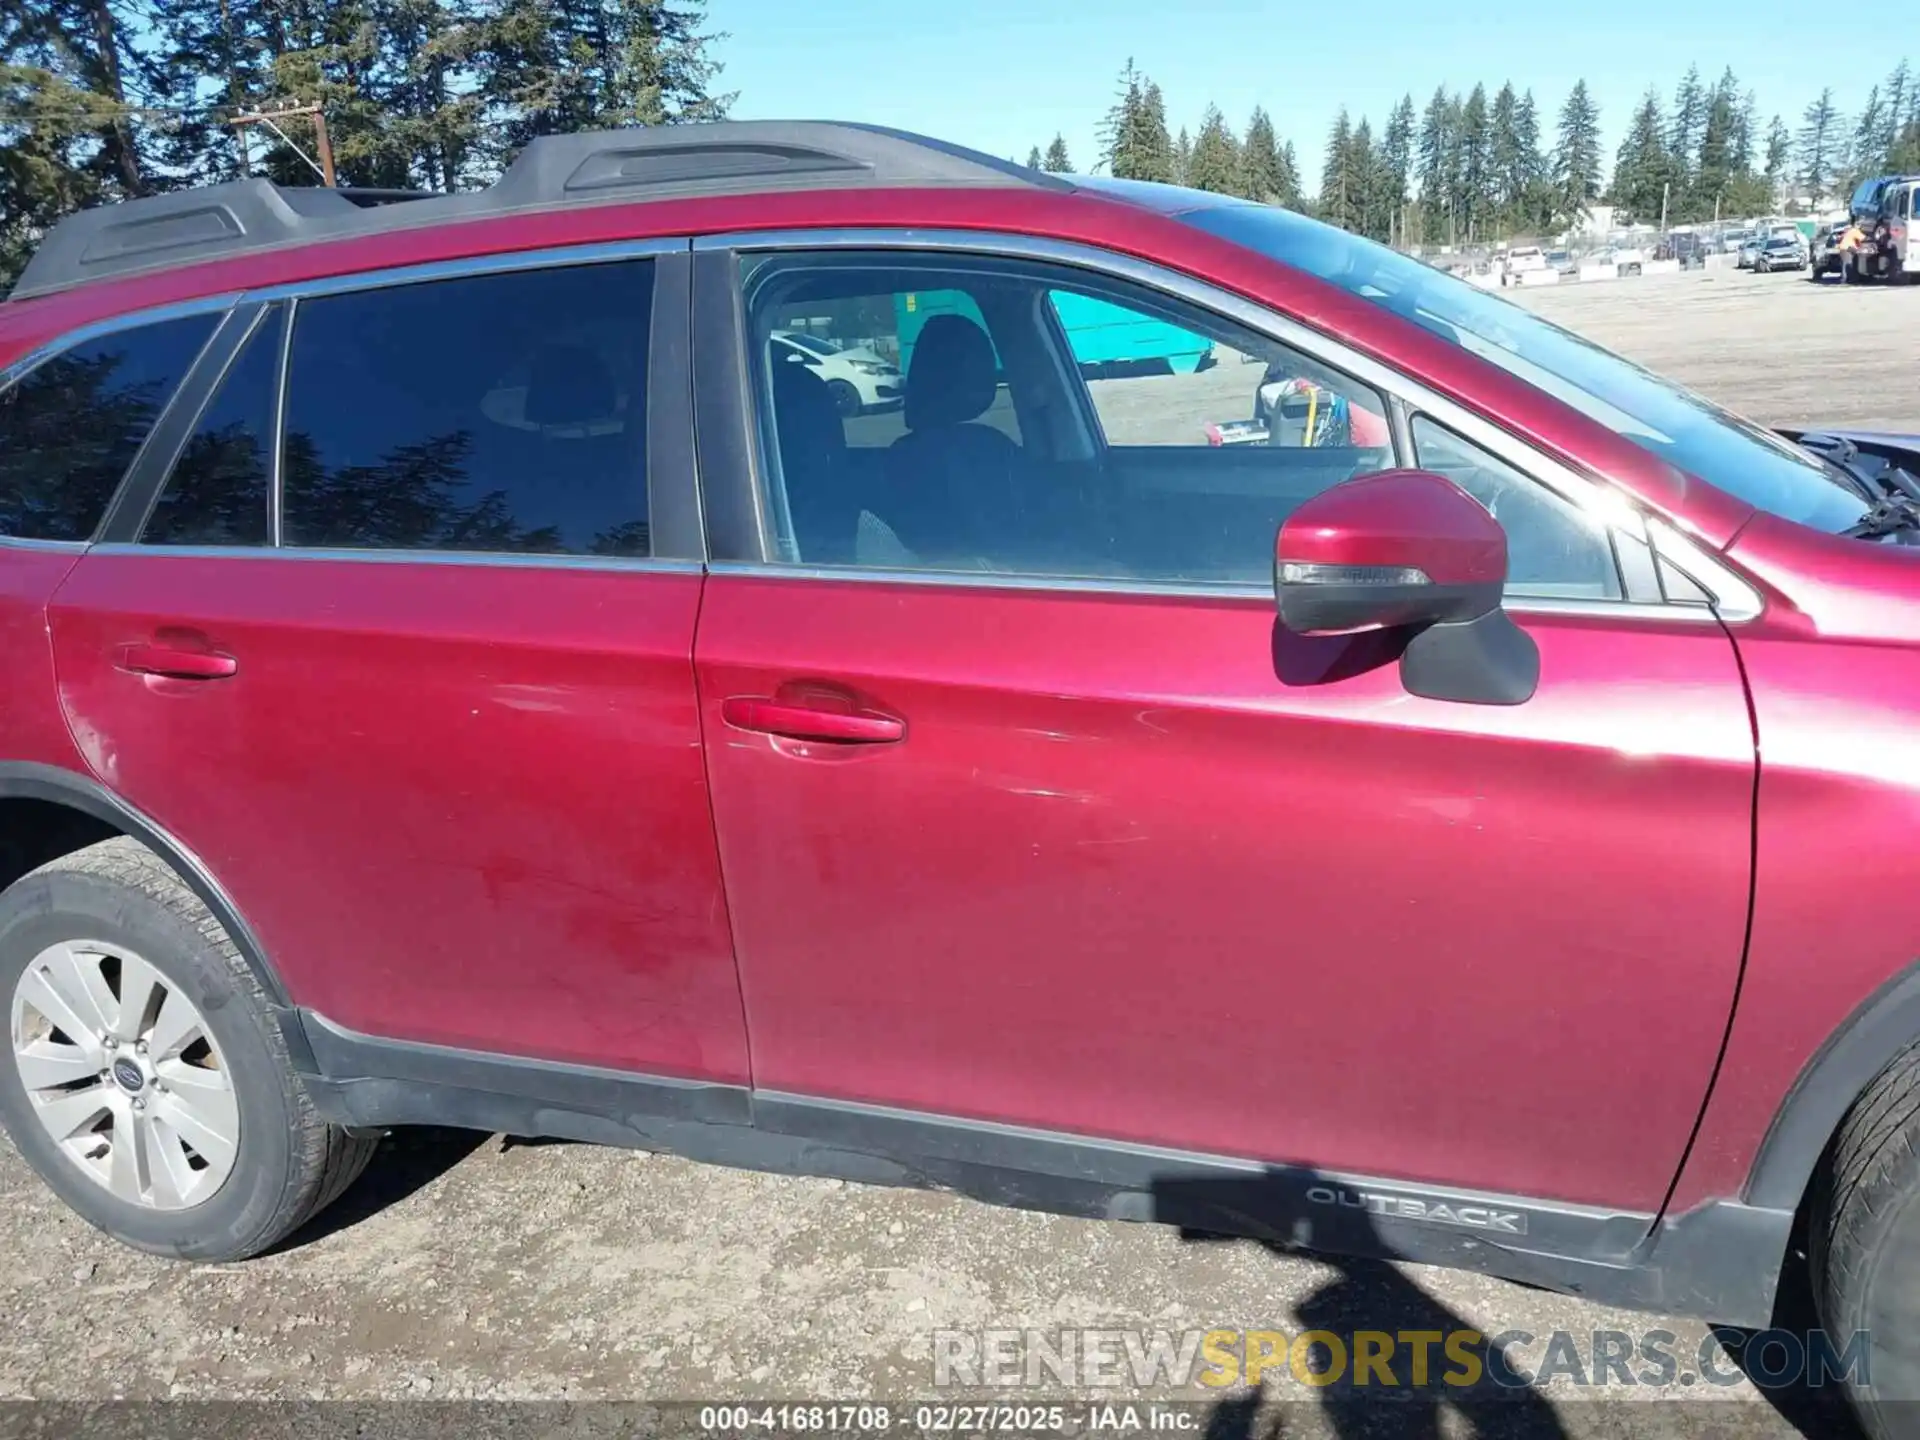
[(48, 908)]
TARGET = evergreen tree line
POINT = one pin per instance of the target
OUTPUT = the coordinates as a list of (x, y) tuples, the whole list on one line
[(1466, 167), (111, 99)]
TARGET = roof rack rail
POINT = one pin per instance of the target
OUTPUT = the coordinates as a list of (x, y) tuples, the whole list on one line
[(726, 157)]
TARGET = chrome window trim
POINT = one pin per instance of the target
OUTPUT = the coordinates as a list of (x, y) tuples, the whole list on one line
[(1605, 505), (479, 559), (1734, 600), (27, 542), (277, 461), (425, 272), (1097, 587), (133, 319)]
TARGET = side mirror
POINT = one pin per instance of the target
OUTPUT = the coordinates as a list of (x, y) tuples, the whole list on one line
[(1409, 550)]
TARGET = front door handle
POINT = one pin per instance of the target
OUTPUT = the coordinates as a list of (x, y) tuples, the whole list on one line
[(799, 721), (175, 664)]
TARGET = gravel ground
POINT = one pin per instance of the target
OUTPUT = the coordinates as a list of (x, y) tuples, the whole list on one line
[(465, 1267)]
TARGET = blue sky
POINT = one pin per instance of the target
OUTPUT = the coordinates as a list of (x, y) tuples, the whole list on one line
[(1004, 75)]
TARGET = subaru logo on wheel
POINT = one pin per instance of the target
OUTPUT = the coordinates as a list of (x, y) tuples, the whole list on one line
[(129, 1075)]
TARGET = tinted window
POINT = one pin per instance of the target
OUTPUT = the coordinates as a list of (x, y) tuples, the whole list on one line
[(1674, 424), (216, 493), (497, 413), (71, 426), (1052, 423), (1552, 549)]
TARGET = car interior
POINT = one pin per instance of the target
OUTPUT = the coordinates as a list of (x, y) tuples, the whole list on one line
[(998, 459), (1015, 454)]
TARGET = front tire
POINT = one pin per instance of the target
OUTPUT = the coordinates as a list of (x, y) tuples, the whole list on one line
[(846, 399), (1866, 1242), (145, 1078)]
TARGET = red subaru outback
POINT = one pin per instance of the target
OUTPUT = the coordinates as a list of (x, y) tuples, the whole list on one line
[(463, 670)]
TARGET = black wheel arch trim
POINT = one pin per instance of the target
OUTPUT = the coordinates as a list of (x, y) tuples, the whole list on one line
[(1879, 1028), (30, 781)]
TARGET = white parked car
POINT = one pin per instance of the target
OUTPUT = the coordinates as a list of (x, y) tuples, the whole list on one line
[(1525, 257), (857, 378)]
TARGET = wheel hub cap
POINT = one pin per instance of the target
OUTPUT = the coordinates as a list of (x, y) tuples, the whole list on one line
[(123, 1075)]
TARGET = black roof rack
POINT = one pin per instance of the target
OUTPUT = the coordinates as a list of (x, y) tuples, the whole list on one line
[(244, 217)]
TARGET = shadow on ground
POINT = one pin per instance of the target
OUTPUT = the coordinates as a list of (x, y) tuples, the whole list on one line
[(409, 1159)]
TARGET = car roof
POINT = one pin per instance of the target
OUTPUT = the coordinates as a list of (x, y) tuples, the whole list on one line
[(556, 172)]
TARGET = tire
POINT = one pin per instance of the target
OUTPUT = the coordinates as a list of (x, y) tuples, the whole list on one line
[(1865, 1249), (110, 907), (846, 399)]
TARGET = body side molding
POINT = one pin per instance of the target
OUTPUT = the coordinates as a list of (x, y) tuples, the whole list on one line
[(1721, 1260)]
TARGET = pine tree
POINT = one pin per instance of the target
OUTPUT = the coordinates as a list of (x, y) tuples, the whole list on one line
[(1901, 106), (1160, 139), (1435, 161), (1576, 153), (1507, 183), (1363, 162), (1292, 193), (1746, 134), (1644, 166), (1779, 156), (1819, 147), (1215, 162), (1034, 159), (1134, 137), (1260, 173), (1532, 194), (1396, 167), (1340, 187), (1707, 187), (1689, 121), (1477, 195), (1867, 155), (1056, 160)]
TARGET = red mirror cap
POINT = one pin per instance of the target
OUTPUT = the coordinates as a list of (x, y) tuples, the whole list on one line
[(1395, 519)]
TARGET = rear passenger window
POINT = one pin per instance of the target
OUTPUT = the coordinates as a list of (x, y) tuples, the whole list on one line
[(496, 413), (217, 491), (71, 426)]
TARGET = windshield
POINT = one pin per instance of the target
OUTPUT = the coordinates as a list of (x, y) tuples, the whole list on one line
[(1678, 426), (810, 342)]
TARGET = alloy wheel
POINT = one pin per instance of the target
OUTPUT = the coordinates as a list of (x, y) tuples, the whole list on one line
[(121, 1071)]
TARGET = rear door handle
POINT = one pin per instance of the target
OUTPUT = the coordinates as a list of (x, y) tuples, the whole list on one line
[(808, 722), (175, 664)]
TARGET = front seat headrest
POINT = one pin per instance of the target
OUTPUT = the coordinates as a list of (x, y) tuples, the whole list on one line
[(805, 419), (952, 376)]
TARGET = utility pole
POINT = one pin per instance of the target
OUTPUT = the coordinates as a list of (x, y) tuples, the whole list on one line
[(1665, 191), (321, 141)]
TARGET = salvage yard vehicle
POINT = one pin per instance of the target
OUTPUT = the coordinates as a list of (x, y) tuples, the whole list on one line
[(460, 676), (1779, 252)]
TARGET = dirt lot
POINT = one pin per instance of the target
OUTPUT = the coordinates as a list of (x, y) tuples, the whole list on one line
[(469, 1267), (1774, 347)]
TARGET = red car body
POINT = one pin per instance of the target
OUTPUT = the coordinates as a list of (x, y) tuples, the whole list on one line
[(1614, 960)]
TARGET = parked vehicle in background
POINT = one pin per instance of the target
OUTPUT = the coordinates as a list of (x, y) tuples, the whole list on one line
[(1750, 251), (463, 670), (1562, 262), (1869, 199), (1780, 252), (1624, 260), (856, 377), (1523, 258), (1890, 253), (1825, 257)]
